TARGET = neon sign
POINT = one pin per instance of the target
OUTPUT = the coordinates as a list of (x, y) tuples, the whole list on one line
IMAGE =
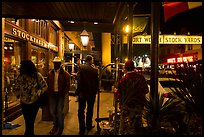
[(180, 59)]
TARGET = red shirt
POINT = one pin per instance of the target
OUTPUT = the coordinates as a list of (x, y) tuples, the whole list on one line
[(132, 87)]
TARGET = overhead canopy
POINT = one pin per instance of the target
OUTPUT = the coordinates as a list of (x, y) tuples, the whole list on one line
[(109, 15), (84, 14)]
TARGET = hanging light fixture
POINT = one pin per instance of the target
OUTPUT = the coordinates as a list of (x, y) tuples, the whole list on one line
[(84, 37), (71, 45)]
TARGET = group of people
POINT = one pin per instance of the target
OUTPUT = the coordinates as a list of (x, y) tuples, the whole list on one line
[(30, 84)]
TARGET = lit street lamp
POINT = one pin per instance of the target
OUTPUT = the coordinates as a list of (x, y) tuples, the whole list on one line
[(84, 37), (71, 45), (71, 48)]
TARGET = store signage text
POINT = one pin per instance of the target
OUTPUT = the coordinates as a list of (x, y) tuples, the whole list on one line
[(28, 37), (180, 59), (169, 39)]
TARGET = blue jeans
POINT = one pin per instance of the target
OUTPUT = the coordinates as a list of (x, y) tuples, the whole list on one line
[(56, 107)]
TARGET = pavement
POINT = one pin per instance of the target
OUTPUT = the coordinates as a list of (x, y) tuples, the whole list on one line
[(71, 118), (71, 126)]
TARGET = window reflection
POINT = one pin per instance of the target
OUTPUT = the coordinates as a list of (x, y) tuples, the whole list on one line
[(14, 52)]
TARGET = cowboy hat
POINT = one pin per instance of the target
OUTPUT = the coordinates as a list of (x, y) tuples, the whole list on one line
[(57, 59)]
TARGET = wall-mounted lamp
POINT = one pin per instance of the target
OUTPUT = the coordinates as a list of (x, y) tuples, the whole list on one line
[(84, 37)]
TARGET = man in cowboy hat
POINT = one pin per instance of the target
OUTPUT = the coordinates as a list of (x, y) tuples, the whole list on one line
[(58, 81)]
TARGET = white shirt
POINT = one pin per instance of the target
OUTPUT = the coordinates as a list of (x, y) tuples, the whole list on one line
[(56, 75)]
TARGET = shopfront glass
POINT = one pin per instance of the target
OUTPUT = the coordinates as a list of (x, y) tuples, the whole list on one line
[(34, 56), (52, 55), (14, 52), (39, 57), (42, 64)]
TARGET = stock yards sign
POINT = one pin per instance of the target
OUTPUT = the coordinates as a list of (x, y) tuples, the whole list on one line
[(168, 39)]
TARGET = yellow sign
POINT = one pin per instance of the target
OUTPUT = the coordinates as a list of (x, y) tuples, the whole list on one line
[(8, 40), (168, 39)]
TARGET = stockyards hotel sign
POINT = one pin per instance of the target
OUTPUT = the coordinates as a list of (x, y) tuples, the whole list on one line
[(22, 34), (168, 39)]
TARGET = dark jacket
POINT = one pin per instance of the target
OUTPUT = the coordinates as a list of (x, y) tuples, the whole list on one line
[(87, 80), (63, 81)]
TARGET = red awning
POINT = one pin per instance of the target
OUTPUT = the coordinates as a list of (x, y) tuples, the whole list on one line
[(173, 8)]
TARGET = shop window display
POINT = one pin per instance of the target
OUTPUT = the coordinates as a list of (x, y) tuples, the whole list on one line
[(39, 57), (52, 56), (42, 64), (34, 56), (13, 54)]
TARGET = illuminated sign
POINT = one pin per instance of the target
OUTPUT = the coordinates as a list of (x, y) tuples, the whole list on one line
[(28, 37), (168, 39), (171, 60), (144, 39), (180, 59), (8, 39)]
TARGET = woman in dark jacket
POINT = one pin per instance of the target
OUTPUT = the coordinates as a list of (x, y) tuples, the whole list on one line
[(28, 86)]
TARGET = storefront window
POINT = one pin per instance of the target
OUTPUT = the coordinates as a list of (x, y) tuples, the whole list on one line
[(42, 64), (34, 56), (53, 36), (39, 27), (18, 22), (52, 55), (21, 23), (14, 52), (39, 57)]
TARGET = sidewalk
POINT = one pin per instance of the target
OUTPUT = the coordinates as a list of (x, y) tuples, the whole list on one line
[(71, 119)]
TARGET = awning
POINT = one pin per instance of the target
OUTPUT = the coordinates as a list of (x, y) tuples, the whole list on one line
[(173, 8)]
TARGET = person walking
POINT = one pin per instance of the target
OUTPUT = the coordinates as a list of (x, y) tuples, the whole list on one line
[(131, 91), (28, 86), (78, 63), (88, 85), (58, 81)]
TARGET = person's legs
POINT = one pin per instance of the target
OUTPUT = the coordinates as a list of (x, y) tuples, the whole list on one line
[(60, 114), (89, 114), (29, 113), (81, 115), (53, 99), (137, 117)]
